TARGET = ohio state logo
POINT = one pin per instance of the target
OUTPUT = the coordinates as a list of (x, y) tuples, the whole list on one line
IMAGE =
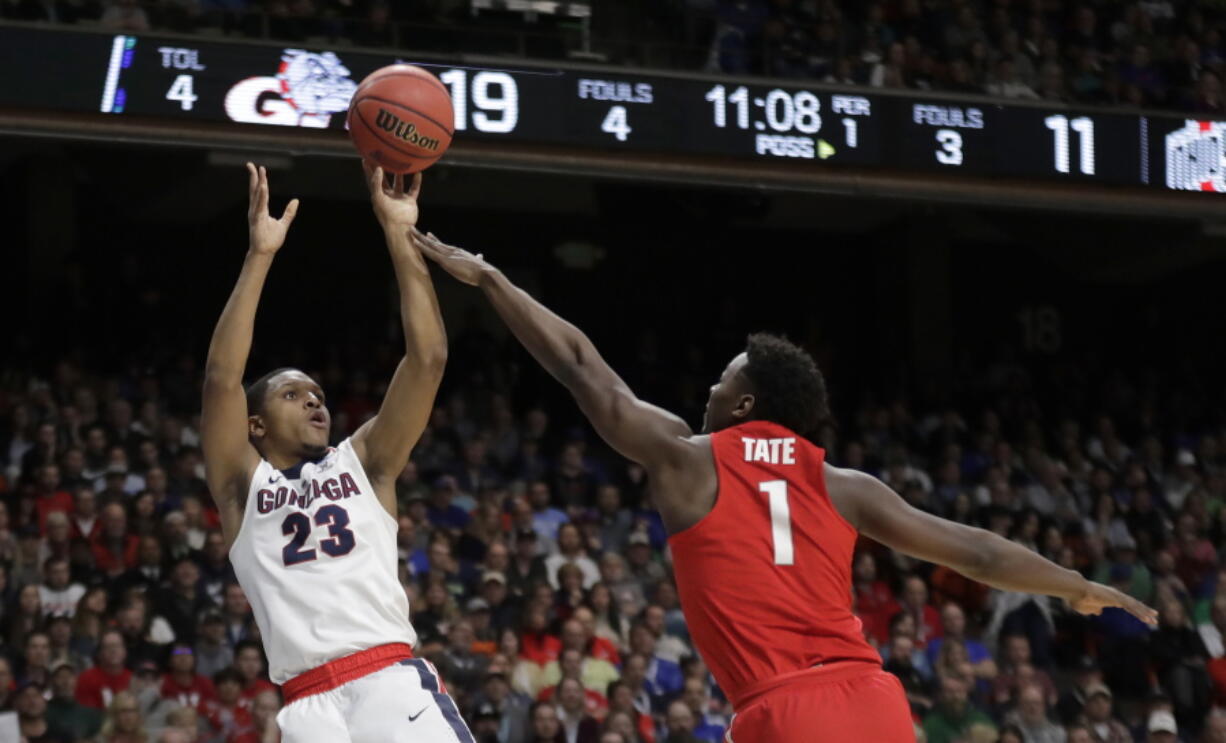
[(1196, 157)]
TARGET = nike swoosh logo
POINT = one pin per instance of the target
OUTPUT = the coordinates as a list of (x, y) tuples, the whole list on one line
[(274, 479), (419, 713)]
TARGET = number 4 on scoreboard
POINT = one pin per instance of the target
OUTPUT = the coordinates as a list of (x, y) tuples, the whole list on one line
[(181, 91), (616, 123)]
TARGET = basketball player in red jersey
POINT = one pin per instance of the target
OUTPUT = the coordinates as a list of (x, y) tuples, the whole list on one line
[(762, 529)]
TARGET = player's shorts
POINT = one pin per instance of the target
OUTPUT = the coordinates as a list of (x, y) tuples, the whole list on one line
[(840, 702), (404, 702)]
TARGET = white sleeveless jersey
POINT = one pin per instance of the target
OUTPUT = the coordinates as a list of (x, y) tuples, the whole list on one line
[(316, 555)]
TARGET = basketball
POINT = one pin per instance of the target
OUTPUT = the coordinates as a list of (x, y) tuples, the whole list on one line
[(401, 118)]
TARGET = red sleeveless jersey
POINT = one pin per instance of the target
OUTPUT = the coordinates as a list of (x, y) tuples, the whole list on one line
[(765, 577)]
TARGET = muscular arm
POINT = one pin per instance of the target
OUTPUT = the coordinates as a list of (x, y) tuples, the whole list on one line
[(229, 458), (639, 431), (881, 514), (384, 442)]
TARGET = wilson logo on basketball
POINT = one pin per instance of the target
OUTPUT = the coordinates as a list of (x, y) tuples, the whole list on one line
[(391, 123)]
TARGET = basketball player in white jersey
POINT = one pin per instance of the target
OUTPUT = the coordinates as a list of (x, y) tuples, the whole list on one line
[(312, 528)]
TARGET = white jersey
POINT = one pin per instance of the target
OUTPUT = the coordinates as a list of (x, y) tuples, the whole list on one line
[(316, 555)]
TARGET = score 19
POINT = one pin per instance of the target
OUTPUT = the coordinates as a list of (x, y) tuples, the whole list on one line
[(494, 96)]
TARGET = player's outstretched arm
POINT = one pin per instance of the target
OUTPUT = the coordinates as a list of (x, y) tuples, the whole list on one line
[(637, 430), (229, 458), (881, 514), (384, 442)]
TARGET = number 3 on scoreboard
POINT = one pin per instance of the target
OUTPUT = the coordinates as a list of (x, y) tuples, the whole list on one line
[(781, 520)]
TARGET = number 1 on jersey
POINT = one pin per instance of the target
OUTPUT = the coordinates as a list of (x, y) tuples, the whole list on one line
[(781, 519)]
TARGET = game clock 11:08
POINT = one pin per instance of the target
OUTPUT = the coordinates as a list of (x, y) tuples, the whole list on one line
[(614, 109)]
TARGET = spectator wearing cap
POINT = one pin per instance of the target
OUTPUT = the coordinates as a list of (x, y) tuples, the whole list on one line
[(486, 723), (115, 549), (506, 711), (1161, 728), (64, 712), (503, 609), (441, 512), (1086, 675), (1099, 718), (97, 686), (146, 686), (594, 673), (183, 684), (1030, 716), (58, 596), (954, 714), (31, 708), (213, 653), (1181, 480)]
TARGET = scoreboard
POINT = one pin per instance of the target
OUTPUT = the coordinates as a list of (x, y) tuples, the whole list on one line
[(617, 109)]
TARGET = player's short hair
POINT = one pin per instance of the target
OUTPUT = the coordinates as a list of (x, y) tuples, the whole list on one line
[(258, 390), (788, 387)]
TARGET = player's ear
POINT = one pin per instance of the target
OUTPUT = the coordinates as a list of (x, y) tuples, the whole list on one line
[(744, 408), (255, 427)]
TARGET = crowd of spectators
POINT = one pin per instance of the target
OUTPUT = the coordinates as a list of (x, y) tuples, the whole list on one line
[(1150, 53), (540, 583)]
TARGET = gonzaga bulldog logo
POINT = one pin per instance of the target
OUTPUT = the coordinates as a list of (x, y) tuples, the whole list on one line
[(307, 89), (1196, 157)]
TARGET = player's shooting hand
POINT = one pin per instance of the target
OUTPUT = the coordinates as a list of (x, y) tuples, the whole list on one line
[(267, 235), (1098, 597), (394, 198), (458, 262)]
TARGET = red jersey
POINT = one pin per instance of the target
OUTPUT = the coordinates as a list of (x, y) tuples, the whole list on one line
[(765, 577), (195, 694), (96, 688)]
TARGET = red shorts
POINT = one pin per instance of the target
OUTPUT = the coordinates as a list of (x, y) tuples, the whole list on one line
[(836, 703)]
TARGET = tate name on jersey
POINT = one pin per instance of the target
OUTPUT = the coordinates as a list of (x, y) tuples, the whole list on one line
[(770, 451), (333, 488)]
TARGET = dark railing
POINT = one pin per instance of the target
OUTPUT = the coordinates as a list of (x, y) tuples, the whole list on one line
[(508, 28)]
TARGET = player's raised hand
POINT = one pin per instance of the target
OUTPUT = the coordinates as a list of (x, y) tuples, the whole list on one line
[(458, 262), (394, 198), (1098, 597), (267, 235)]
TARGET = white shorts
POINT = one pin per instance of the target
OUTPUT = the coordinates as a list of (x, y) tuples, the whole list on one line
[(402, 703)]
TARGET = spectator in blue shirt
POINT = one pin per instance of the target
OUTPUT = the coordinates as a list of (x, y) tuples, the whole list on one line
[(442, 513)]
